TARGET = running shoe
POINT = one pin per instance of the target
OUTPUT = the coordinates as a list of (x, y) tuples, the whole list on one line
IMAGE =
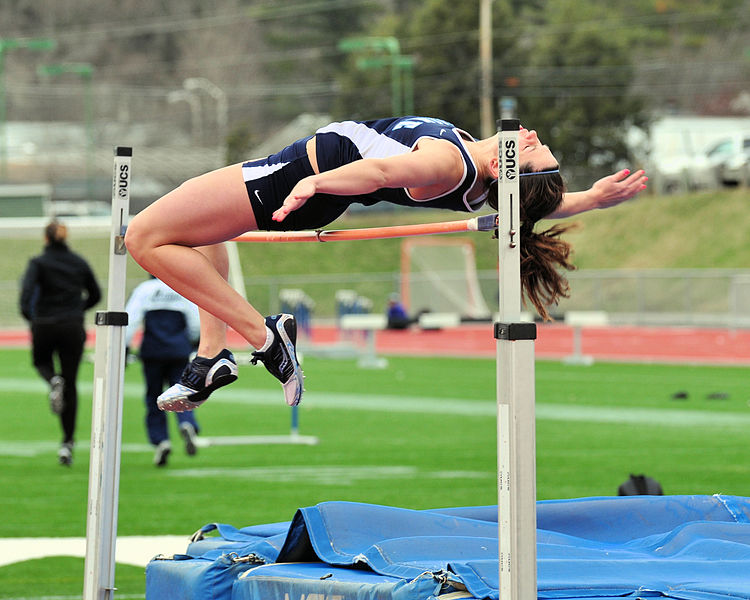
[(187, 431), (56, 388), (279, 356), (65, 454), (199, 379), (162, 453)]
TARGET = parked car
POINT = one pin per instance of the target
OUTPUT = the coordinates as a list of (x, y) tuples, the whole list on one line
[(686, 172), (726, 162), (734, 168)]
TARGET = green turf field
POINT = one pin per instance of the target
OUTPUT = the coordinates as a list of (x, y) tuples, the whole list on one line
[(419, 434)]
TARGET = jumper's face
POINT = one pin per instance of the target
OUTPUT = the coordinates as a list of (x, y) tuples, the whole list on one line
[(533, 153)]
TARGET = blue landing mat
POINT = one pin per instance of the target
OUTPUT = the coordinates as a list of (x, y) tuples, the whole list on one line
[(679, 547)]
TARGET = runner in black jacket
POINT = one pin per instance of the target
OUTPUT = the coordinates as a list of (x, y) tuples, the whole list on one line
[(58, 287)]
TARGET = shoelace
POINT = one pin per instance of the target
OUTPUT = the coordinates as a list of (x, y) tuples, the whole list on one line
[(277, 370), (194, 375)]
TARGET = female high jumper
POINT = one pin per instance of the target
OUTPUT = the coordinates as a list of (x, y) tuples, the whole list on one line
[(410, 161)]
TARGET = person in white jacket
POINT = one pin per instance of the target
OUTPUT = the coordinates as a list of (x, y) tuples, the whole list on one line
[(171, 330)]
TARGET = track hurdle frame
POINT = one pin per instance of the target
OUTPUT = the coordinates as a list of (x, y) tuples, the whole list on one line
[(106, 420), (516, 427)]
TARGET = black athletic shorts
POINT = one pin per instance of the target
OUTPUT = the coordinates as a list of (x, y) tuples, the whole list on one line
[(269, 181)]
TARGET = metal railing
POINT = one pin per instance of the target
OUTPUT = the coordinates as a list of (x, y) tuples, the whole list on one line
[(701, 297), (690, 297)]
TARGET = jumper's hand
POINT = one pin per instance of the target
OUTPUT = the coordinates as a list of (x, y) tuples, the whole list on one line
[(612, 190), (300, 193)]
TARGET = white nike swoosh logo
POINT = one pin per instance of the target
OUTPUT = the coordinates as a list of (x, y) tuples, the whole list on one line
[(257, 195), (441, 131)]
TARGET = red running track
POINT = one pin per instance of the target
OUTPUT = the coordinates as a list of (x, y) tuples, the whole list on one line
[(615, 343), (554, 341)]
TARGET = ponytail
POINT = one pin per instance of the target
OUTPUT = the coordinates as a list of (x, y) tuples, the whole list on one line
[(543, 255)]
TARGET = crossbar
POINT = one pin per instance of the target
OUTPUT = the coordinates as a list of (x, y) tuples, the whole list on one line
[(481, 223)]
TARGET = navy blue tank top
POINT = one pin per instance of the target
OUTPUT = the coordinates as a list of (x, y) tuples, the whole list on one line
[(341, 143)]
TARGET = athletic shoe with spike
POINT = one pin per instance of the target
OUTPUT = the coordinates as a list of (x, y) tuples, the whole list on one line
[(65, 454), (199, 379), (279, 356), (161, 455)]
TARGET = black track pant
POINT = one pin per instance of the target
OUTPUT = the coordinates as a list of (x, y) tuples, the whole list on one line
[(61, 343)]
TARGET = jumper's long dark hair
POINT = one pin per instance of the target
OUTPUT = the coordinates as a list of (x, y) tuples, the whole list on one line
[(543, 254)]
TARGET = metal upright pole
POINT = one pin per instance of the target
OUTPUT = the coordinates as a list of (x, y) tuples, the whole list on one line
[(86, 72), (5, 45), (89, 119), (106, 425), (516, 453), (3, 119), (485, 61)]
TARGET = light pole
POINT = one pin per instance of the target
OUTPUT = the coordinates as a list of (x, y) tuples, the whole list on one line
[(85, 71), (406, 64), (402, 96), (5, 45), (196, 119), (403, 68), (486, 119), (222, 108)]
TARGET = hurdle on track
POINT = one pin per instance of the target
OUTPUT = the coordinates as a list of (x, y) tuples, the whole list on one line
[(516, 453)]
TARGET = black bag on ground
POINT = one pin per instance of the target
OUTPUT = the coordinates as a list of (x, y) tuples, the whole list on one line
[(640, 485)]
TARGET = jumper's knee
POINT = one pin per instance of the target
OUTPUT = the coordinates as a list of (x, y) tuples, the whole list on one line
[(136, 241)]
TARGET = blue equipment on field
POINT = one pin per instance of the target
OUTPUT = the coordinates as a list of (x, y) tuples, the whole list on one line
[(678, 547)]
